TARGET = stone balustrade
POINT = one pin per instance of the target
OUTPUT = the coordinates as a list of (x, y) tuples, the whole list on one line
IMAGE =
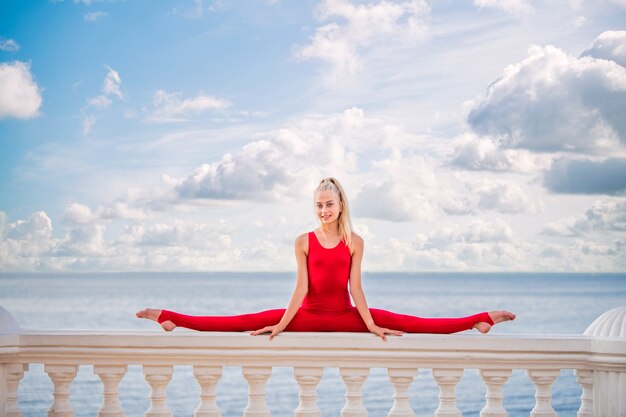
[(599, 363)]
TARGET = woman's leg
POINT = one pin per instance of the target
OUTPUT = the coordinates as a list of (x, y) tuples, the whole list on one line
[(412, 324), (239, 323)]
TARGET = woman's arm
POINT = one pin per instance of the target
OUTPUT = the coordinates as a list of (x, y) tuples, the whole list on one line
[(302, 287), (356, 291)]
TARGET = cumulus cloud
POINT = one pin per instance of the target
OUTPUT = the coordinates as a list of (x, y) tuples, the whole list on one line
[(403, 190), (8, 45), (359, 26), (504, 197), (276, 166), (554, 102), (78, 214), (20, 96), (460, 246), (484, 195), (515, 7), (609, 45), (475, 153), (585, 176), (603, 216), (169, 107)]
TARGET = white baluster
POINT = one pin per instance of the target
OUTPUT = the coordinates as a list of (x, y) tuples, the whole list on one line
[(207, 377), (585, 380), (447, 380), (543, 380), (158, 377), (354, 378), (14, 373), (110, 375), (494, 380), (61, 376), (307, 379), (257, 377), (401, 379)]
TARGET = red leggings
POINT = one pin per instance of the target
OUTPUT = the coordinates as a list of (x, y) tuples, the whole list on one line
[(307, 320)]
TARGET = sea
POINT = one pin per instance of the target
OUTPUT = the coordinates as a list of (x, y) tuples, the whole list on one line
[(545, 304)]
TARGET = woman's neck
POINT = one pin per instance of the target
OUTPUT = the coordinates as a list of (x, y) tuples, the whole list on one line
[(330, 229)]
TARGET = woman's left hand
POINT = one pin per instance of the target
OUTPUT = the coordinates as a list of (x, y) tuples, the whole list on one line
[(274, 330), (381, 332)]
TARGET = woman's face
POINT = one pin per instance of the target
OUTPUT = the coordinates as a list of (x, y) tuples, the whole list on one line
[(327, 206)]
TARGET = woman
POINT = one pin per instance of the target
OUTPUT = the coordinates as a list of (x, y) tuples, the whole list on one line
[(328, 261)]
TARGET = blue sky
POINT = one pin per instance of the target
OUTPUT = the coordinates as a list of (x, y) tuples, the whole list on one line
[(188, 135)]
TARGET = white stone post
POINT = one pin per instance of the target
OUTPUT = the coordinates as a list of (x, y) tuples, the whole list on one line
[(354, 378), (158, 377), (585, 380), (447, 380), (494, 380), (7, 325), (308, 379), (110, 375), (14, 372), (401, 379), (543, 380), (207, 377), (61, 376), (257, 377), (609, 388)]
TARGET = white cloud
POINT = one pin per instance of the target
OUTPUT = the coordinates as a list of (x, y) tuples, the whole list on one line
[(483, 153), (78, 214), (95, 16), (360, 26), (474, 245), (84, 240), (515, 7), (87, 124), (112, 84), (278, 165), (168, 107), (609, 45), (100, 102), (8, 45), (402, 190), (111, 87), (38, 226), (607, 216), (20, 96), (554, 102), (504, 197)]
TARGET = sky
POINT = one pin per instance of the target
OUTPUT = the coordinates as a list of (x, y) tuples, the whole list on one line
[(187, 135)]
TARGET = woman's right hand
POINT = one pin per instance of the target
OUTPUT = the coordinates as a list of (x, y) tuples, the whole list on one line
[(274, 330)]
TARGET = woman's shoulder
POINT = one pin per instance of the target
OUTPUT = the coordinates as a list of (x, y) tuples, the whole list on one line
[(356, 239), (303, 240)]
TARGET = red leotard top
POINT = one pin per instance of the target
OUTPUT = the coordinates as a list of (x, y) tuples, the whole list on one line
[(329, 272)]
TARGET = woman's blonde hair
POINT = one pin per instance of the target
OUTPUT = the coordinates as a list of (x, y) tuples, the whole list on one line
[(345, 222)]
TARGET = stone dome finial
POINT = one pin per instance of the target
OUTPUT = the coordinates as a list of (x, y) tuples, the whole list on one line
[(610, 324), (7, 322)]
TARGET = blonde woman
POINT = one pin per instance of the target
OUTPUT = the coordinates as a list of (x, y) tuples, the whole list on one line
[(328, 273)]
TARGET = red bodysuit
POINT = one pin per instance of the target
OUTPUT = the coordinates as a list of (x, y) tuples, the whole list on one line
[(327, 306)]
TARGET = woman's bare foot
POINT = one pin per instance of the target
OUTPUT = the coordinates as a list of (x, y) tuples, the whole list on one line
[(497, 317), (153, 314)]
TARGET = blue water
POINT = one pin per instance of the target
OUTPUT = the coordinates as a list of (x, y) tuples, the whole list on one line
[(544, 303)]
